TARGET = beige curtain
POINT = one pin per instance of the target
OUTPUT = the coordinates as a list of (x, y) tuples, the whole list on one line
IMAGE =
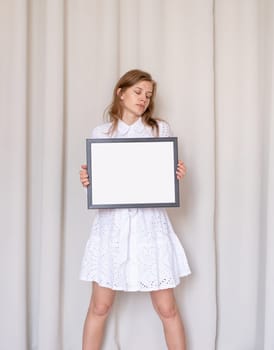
[(244, 64), (213, 61)]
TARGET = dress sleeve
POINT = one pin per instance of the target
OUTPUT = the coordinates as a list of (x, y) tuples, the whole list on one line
[(95, 134), (100, 131), (164, 129)]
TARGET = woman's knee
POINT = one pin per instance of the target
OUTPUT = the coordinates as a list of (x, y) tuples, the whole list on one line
[(101, 300), (164, 303), (166, 311), (100, 309)]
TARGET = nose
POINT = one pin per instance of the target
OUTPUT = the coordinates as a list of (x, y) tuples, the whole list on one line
[(142, 97)]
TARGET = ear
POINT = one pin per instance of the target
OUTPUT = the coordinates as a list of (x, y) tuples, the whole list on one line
[(119, 94)]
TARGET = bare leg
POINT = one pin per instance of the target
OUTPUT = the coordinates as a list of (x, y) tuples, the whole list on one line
[(98, 311), (165, 305)]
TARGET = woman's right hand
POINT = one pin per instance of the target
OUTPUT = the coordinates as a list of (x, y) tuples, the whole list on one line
[(84, 175)]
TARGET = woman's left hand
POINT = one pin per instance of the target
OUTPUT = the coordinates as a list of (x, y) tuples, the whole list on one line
[(181, 170)]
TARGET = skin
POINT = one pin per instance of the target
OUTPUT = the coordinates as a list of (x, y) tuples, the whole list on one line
[(134, 100)]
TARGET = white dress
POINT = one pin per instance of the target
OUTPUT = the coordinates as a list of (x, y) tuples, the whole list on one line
[(133, 249)]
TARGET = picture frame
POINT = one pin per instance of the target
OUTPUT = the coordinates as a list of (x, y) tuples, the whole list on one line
[(132, 172)]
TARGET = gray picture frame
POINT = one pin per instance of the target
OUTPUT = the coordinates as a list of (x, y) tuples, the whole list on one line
[(132, 172)]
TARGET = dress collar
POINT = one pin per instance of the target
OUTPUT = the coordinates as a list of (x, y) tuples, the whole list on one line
[(138, 126)]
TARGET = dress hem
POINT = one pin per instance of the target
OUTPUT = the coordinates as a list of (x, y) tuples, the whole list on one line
[(136, 289)]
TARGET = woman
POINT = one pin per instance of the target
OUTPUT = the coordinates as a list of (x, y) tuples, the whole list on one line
[(133, 249)]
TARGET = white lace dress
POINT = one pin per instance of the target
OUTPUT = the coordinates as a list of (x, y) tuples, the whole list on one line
[(133, 249)]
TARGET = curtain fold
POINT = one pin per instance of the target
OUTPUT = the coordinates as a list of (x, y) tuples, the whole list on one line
[(268, 304), (268, 90), (213, 61), (52, 154), (13, 136)]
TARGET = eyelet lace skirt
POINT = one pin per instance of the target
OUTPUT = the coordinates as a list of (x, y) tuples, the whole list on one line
[(133, 250)]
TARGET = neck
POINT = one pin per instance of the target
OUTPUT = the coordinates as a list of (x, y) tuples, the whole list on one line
[(130, 119)]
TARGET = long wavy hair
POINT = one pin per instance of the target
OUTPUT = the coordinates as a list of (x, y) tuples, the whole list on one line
[(115, 109)]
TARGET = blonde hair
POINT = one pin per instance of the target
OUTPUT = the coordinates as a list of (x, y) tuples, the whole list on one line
[(115, 109)]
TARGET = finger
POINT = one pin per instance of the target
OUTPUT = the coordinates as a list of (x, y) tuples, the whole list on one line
[(181, 165), (85, 182), (83, 175), (181, 168), (84, 166), (180, 173)]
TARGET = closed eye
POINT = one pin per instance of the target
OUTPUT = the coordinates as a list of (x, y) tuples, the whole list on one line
[(138, 92)]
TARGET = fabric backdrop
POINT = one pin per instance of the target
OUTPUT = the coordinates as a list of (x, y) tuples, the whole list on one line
[(213, 61)]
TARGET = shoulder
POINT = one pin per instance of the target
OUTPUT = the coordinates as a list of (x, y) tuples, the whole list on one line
[(101, 131), (164, 128)]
